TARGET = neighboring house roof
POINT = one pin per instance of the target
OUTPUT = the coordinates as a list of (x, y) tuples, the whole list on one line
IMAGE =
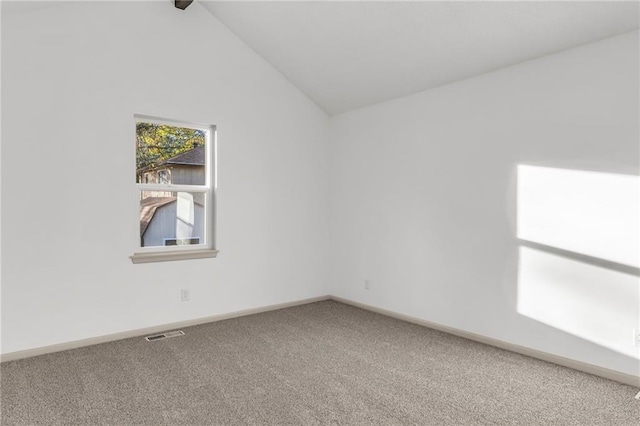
[(148, 208), (193, 157)]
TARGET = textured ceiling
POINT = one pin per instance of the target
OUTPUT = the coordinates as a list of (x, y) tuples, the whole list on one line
[(346, 55)]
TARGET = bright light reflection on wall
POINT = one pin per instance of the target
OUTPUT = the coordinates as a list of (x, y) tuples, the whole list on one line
[(594, 303), (591, 213)]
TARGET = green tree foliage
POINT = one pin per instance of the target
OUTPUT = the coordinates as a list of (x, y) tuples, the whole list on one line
[(156, 143)]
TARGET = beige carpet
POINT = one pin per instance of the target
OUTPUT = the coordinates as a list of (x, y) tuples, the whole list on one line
[(323, 363)]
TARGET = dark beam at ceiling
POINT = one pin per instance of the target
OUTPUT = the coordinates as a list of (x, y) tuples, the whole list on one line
[(183, 4)]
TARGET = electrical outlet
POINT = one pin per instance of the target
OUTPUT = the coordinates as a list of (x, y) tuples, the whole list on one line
[(366, 284), (184, 295), (636, 337)]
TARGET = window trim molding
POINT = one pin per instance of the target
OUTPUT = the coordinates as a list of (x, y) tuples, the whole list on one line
[(173, 255), (196, 251)]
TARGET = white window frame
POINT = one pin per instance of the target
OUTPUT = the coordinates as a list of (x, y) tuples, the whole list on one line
[(182, 252)]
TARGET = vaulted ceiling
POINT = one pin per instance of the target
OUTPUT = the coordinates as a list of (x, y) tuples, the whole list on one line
[(346, 55)]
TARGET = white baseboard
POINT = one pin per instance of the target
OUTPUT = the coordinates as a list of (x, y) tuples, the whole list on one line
[(43, 350), (617, 376)]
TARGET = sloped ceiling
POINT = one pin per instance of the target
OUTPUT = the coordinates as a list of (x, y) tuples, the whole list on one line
[(346, 55)]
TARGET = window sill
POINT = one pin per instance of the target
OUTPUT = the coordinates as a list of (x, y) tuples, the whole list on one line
[(169, 256)]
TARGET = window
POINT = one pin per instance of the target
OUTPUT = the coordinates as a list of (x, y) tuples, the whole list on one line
[(175, 189), (164, 176), (180, 242)]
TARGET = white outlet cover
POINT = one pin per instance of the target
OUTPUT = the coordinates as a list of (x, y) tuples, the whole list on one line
[(184, 295)]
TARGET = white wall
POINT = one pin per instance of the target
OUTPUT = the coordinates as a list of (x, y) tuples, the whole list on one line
[(424, 202), (73, 76)]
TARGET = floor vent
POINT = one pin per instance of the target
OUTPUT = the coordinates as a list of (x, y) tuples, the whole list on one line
[(164, 335)]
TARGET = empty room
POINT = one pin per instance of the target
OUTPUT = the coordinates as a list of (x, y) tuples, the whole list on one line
[(320, 213)]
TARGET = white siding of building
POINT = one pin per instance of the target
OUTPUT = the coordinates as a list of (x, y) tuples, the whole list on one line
[(164, 225)]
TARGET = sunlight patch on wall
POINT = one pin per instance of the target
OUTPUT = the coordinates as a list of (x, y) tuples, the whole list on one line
[(594, 303), (591, 213)]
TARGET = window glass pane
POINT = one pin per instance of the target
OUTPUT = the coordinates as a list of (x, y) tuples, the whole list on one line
[(171, 218), (169, 154)]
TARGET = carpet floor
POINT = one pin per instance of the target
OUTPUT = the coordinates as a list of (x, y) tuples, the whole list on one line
[(322, 363)]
